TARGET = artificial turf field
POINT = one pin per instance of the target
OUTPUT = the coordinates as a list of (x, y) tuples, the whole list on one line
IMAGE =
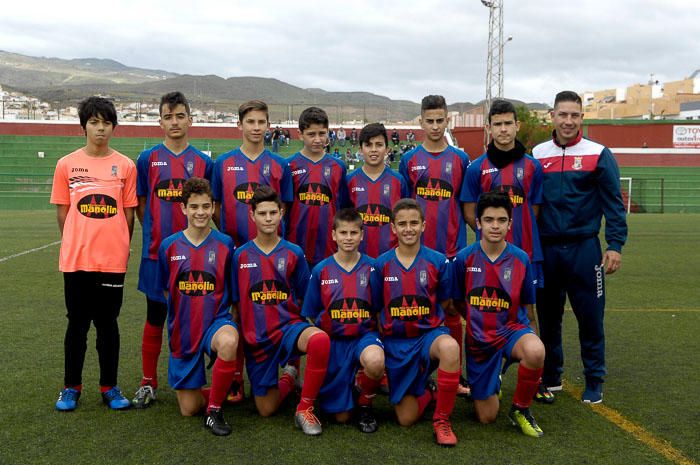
[(652, 388)]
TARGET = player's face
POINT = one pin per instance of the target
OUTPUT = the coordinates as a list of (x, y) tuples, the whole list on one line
[(567, 118), (434, 123), (348, 235), (494, 224), (253, 126), (267, 217), (315, 139), (98, 130), (408, 226), (503, 129), (374, 151), (199, 209), (175, 121)]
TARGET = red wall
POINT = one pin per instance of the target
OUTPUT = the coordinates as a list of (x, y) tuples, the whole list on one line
[(471, 140), (653, 135)]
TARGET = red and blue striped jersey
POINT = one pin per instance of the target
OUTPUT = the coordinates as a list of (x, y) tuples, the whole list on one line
[(198, 282), (435, 182), (522, 181), (495, 294), (340, 302), (320, 190), (374, 200), (160, 177), (410, 298), (234, 180), (269, 289)]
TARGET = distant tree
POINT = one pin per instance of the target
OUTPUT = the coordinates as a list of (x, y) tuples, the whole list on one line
[(532, 129)]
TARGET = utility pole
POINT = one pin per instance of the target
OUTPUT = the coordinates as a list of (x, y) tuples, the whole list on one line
[(494, 58)]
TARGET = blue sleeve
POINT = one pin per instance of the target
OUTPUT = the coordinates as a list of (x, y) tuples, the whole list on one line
[(300, 276), (527, 293), (405, 192), (312, 299), (611, 201), (343, 196), (286, 186), (446, 281), (458, 275), (536, 186), (403, 171), (377, 282), (162, 276), (142, 174), (235, 297), (208, 168), (471, 185), (216, 181)]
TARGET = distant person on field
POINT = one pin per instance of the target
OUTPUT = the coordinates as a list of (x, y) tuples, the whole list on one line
[(162, 172), (395, 139), (94, 190), (581, 185), (342, 136)]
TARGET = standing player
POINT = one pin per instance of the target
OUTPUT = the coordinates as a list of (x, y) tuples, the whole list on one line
[(415, 284), (94, 190), (272, 279), (374, 189), (494, 280), (434, 172), (320, 189), (339, 300), (194, 272), (236, 176), (581, 185), (162, 171), (505, 167)]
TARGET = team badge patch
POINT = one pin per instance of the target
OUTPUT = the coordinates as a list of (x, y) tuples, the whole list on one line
[(114, 170), (424, 277), (280, 264), (506, 273), (266, 169), (327, 172), (190, 167), (519, 173), (212, 257), (448, 167), (387, 190), (578, 163), (363, 279)]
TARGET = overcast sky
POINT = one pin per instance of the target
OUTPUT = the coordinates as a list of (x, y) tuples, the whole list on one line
[(401, 49)]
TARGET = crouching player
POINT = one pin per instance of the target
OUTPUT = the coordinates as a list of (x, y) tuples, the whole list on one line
[(414, 284), (495, 282), (268, 293), (339, 300), (194, 268)]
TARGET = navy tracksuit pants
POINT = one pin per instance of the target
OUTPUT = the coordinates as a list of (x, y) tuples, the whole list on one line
[(572, 268)]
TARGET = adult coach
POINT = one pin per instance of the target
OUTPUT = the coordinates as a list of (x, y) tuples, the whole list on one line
[(581, 185)]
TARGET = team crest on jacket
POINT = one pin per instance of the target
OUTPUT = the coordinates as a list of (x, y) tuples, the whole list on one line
[(97, 206), (578, 163), (244, 191), (196, 283), (170, 190)]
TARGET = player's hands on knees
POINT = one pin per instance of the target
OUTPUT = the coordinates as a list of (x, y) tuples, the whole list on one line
[(612, 261)]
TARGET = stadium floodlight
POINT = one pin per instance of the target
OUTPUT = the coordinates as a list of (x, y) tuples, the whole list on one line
[(494, 57)]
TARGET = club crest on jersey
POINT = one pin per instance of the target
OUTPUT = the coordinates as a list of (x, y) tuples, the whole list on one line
[(281, 263), (434, 189), (448, 167), (212, 257), (489, 299), (506, 273), (190, 166), (349, 310), (363, 280), (423, 276), (578, 163), (314, 194), (170, 190), (195, 283), (266, 169), (327, 172), (387, 190), (97, 206), (114, 171), (519, 173)]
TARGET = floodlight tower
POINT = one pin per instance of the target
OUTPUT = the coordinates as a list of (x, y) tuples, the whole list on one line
[(494, 59)]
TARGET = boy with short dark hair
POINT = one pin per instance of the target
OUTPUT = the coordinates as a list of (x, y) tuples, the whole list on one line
[(415, 285), (194, 272), (162, 171), (495, 290), (320, 189), (268, 293), (94, 190), (339, 299), (374, 188)]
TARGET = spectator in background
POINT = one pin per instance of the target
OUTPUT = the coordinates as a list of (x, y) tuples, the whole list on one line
[(276, 135), (341, 136), (353, 137), (395, 137)]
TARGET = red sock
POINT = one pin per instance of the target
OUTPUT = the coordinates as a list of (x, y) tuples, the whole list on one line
[(316, 365), (104, 389), (285, 386), (423, 401), (368, 389), (454, 325), (240, 360), (446, 394), (526, 387), (221, 379), (78, 387), (150, 351), (206, 392)]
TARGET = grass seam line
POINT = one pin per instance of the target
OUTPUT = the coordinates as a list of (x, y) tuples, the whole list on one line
[(36, 249)]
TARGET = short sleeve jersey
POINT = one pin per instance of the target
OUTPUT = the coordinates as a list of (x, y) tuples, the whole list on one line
[(320, 190), (268, 289), (495, 295), (410, 298), (374, 200), (97, 190), (198, 282), (340, 302), (522, 181), (435, 181), (161, 175), (234, 180)]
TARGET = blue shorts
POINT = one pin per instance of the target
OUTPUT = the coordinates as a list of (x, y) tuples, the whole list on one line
[(484, 377), (189, 373), (148, 271), (265, 375), (344, 360), (408, 363)]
